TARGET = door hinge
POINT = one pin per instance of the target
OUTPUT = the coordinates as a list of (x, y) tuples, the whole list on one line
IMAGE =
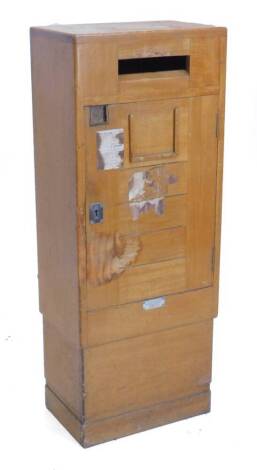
[(213, 259), (217, 125)]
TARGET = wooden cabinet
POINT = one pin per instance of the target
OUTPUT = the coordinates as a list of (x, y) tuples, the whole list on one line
[(128, 131)]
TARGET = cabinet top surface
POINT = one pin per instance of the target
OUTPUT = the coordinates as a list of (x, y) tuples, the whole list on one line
[(119, 28)]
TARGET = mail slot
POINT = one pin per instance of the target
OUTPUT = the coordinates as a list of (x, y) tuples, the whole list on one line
[(128, 131), (154, 64)]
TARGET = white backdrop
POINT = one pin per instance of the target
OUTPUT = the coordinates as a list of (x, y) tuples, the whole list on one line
[(31, 437)]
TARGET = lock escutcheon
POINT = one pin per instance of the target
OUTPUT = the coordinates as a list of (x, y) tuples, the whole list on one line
[(96, 213)]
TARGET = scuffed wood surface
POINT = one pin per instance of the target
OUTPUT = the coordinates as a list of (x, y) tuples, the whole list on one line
[(109, 255), (100, 187), (138, 283), (107, 358)]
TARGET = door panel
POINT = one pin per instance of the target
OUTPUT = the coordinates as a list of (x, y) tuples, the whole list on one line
[(156, 235), (135, 283), (152, 134), (119, 134), (101, 184), (136, 217)]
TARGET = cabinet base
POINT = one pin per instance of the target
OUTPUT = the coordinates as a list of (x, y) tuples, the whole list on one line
[(99, 431)]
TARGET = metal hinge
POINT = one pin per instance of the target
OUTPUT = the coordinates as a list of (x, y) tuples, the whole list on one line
[(217, 125), (213, 259)]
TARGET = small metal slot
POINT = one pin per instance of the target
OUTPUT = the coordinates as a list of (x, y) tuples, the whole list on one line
[(98, 115), (96, 213)]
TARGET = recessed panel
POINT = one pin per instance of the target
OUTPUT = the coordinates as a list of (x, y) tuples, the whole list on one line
[(152, 134)]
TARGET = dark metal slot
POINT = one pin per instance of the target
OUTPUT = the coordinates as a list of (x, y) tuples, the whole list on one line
[(98, 115), (154, 64)]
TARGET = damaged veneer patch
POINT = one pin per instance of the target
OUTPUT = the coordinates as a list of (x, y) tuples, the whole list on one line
[(109, 255), (142, 207), (110, 149), (147, 190)]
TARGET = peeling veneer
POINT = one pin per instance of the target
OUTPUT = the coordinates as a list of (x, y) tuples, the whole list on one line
[(110, 149), (142, 207), (147, 190), (150, 184), (109, 255)]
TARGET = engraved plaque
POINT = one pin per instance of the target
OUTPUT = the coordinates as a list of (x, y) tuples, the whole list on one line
[(157, 302)]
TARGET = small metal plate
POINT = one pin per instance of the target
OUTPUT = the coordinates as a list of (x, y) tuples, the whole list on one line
[(98, 115), (157, 302)]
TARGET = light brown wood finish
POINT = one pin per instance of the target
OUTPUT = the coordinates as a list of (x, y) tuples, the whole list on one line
[(171, 244), (92, 433), (145, 418), (113, 368), (110, 255), (131, 320), (101, 86), (55, 170), (202, 192), (141, 372), (137, 120), (153, 134), (81, 31), (195, 211), (220, 133), (100, 188), (140, 282), (119, 218)]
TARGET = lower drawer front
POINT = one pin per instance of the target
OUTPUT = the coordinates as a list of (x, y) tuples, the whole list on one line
[(130, 320), (139, 372)]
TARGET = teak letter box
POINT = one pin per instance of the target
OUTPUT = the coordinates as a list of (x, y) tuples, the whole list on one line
[(128, 128)]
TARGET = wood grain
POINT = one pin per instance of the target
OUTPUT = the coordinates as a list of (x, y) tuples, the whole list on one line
[(220, 136), (101, 87), (131, 320), (152, 135), (143, 371), (97, 29), (55, 174), (138, 283), (112, 367), (202, 172), (109, 255), (119, 218), (195, 210), (99, 431), (100, 186), (171, 244), (120, 116)]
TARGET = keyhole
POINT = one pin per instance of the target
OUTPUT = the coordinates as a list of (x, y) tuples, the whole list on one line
[(96, 213)]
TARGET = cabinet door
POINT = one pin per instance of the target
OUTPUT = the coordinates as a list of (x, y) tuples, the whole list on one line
[(151, 182)]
